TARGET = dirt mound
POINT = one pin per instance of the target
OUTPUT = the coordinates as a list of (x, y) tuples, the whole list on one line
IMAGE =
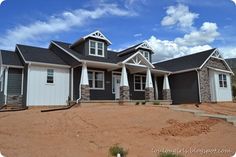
[(192, 128)]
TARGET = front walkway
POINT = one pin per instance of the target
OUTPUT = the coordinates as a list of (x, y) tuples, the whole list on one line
[(197, 112)]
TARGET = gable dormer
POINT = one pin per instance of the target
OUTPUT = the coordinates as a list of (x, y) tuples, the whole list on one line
[(144, 48), (94, 44)]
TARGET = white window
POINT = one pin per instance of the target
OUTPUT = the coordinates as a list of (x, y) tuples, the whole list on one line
[(50, 76), (96, 48), (222, 80), (145, 54), (96, 79), (139, 82)]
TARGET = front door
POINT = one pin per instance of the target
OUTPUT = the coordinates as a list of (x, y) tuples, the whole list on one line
[(117, 87)]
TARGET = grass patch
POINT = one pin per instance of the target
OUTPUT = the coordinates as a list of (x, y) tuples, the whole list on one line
[(169, 154), (114, 150)]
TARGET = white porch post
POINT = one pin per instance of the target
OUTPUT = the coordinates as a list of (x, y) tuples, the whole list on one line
[(124, 85), (149, 90), (84, 83), (166, 88), (5, 84)]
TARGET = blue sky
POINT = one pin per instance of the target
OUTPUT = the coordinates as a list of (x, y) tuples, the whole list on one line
[(172, 27)]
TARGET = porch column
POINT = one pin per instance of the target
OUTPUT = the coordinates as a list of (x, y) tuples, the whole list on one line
[(166, 88), (124, 85), (149, 90), (84, 83)]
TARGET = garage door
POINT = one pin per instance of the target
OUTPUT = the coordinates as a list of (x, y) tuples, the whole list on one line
[(47, 86)]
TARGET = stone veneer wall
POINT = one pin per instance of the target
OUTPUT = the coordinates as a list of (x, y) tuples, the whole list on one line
[(149, 94), (166, 94), (204, 78), (85, 92), (124, 93)]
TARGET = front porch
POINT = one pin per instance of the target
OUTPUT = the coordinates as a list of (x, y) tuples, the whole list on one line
[(133, 79)]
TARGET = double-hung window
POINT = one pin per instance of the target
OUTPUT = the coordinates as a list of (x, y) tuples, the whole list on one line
[(139, 82), (96, 79), (96, 48), (145, 54), (222, 80), (50, 76)]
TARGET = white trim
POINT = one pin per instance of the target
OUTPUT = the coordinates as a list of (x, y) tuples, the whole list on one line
[(20, 53), (211, 56), (5, 84), (141, 83), (183, 71), (144, 45), (100, 36), (1, 77), (28, 80), (143, 53), (94, 88), (220, 70), (162, 71), (199, 87), (22, 81), (13, 66), (156, 88), (66, 51), (124, 78), (96, 48), (135, 54), (72, 84), (49, 64), (114, 73)]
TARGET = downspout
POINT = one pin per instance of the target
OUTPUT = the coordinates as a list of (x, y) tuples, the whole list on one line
[(5, 84), (199, 88)]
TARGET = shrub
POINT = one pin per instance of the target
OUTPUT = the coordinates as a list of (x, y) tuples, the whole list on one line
[(137, 103), (114, 150), (169, 154), (144, 102)]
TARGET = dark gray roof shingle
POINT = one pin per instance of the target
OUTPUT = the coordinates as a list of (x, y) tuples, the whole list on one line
[(10, 58), (186, 62), (112, 56), (42, 55)]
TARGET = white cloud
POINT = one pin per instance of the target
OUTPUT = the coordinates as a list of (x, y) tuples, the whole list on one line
[(195, 41), (138, 35), (179, 15), (206, 34), (228, 51), (234, 1), (167, 49), (65, 21)]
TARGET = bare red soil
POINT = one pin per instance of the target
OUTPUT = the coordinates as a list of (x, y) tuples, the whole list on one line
[(91, 131)]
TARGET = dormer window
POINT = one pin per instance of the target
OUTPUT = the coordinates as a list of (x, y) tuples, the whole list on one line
[(96, 48), (146, 54)]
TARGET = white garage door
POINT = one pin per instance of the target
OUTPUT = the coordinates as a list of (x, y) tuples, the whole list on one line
[(47, 86), (220, 84)]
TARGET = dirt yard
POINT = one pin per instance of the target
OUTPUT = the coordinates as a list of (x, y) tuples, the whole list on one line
[(91, 131)]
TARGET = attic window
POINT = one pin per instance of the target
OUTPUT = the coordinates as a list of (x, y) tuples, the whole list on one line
[(96, 48), (145, 54)]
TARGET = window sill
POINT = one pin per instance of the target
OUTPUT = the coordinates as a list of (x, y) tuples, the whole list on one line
[(50, 84), (97, 88)]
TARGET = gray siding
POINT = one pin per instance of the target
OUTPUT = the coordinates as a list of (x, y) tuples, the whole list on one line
[(184, 87), (14, 81)]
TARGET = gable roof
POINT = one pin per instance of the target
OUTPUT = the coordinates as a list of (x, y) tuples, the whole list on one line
[(133, 49), (37, 54), (10, 58), (192, 61), (97, 34)]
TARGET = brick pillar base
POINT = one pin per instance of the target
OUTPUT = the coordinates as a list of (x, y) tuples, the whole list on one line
[(166, 94), (149, 94), (124, 93), (85, 92)]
